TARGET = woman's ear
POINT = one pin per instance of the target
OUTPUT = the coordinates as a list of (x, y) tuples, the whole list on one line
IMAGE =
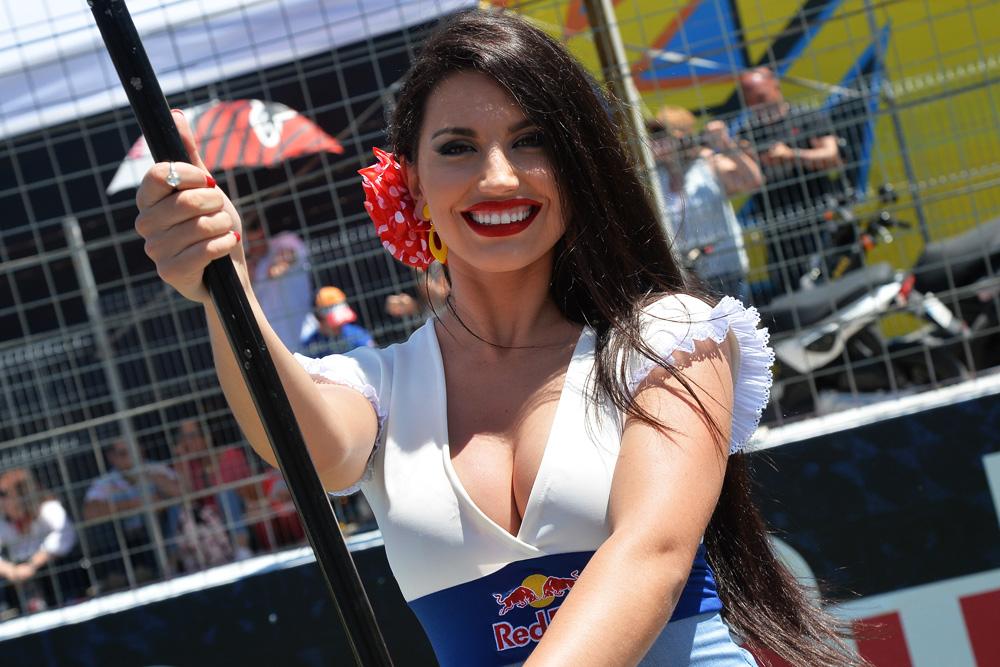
[(413, 185)]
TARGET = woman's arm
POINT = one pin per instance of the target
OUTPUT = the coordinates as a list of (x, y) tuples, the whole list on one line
[(338, 424), (664, 491), (187, 229)]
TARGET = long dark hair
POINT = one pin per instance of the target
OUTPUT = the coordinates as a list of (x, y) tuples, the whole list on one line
[(612, 261)]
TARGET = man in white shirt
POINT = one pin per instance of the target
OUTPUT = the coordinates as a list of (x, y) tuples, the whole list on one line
[(123, 493), (699, 173)]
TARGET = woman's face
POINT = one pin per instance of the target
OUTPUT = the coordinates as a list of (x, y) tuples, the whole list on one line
[(483, 172), (190, 439)]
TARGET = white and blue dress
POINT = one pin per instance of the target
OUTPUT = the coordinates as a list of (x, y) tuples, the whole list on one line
[(483, 595)]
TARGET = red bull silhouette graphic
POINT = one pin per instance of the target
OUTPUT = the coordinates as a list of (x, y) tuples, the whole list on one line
[(520, 597), (559, 586), (537, 590)]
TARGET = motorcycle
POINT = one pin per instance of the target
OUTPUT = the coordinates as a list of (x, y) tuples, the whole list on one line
[(958, 278), (851, 240), (964, 271), (826, 334)]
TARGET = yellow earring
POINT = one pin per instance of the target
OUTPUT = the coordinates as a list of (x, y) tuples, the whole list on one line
[(437, 246)]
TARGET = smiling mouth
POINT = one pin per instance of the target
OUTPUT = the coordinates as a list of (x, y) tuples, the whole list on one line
[(497, 221)]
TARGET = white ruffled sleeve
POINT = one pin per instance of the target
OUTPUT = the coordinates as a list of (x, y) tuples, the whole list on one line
[(677, 322), (363, 370)]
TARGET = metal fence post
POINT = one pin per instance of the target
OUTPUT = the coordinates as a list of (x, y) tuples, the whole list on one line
[(618, 75), (91, 300), (889, 98)]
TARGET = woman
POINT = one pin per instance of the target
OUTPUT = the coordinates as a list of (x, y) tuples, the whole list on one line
[(36, 537), (212, 528), (283, 285), (273, 517), (558, 437)]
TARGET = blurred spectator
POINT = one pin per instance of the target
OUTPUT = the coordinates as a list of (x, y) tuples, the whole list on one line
[(699, 173), (207, 520), (275, 521), (39, 563), (353, 512), (254, 247), (123, 493), (283, 286), (331, 329), (798, 150), (432, 295)]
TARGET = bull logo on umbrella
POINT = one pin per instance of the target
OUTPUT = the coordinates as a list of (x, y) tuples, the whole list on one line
[(236, 133)]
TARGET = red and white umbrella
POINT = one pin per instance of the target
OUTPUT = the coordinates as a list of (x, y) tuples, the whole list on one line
[(239, 133)]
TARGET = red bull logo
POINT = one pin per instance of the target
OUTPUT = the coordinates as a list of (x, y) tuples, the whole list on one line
[(537, 590), (520, 597)]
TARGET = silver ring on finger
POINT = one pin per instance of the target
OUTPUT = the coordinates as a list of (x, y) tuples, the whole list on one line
[(173, 179)]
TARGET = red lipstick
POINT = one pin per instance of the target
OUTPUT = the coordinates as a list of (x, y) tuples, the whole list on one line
[(498, 207)]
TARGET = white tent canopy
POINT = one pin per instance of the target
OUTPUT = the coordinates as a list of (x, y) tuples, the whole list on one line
[(53, 67)]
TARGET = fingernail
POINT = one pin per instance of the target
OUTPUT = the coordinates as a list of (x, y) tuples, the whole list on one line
[(209, 181), (181, 112), (237, 235)]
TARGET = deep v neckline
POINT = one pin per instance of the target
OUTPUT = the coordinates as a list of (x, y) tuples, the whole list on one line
[(534, 496)]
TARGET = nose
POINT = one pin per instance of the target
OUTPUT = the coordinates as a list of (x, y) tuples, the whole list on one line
[(499, 175)]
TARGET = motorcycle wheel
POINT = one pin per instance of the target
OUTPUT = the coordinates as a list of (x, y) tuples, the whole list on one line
[(791, 397), (985, 343), (921, 366)]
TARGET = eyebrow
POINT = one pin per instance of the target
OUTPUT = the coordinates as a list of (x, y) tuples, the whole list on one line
[(469, 132)]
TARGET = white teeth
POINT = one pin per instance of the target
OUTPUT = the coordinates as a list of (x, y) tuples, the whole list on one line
[(513, 215)]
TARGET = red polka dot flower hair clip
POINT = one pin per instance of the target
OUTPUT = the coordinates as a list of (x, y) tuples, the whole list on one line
[(406, 236)]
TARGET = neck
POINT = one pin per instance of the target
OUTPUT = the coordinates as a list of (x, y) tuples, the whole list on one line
[(508, 309)]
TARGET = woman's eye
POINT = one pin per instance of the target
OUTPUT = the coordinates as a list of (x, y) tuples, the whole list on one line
[(454, 148), (533, 140)]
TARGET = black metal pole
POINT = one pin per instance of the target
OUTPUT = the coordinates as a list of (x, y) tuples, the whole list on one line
[(151, 110)]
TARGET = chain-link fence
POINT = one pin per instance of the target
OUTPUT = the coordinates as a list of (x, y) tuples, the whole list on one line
[(831, 161)]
